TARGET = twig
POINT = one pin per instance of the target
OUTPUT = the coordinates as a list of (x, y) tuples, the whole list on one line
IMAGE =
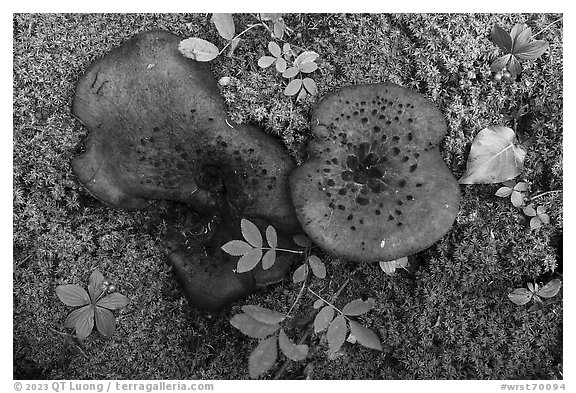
[(543, 194), (547, 27)]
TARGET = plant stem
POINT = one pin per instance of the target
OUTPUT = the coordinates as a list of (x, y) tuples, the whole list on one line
[(326, 301), (547, 27), (283, 249), (297, 298), (250, 27), (543, 194)]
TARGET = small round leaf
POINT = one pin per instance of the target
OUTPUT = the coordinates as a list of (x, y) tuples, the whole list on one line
[(266, 61), (293, 87), (271, 236)]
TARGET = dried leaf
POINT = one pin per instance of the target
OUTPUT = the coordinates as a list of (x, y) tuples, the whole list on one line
[(263, 357), (251, 232), (249, 260), (494, 157), (520, 296), (236, 247), (501, 38), (337, 333), (293, 87), (365, 336), (551, 289), (198, 49), (73, 295), (357, 307), (105, 322), (113, 301), (225, 25), (300, 273), (266, 61), (264, 315), (323, 318), (252, 327), (317, 266), (291, 350), (269, 259)]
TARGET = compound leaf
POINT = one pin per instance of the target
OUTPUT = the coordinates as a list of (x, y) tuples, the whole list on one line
[(263, 357), (251, 233), (520, 296), (323, 318), (225, 25), (252, 327), (494, 157), (249, 260), (365, 336), (237, 247), (264, 315), (198, 49), (291, 350), (337, 333)]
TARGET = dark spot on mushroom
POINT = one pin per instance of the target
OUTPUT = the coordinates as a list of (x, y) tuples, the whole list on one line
[(353, 227), (342, 191), (395, 150), (377, 129), (413, 167), (390, 217), (378, 212), (341, 207), (402, 183), (409, 198), (399, 202), (364, 120), (398, 212), (418, 184), (362, 201), (350, 217), (405, 159), (331, 182)]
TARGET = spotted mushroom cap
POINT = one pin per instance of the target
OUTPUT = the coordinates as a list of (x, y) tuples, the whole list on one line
[(375, 187), (159, 130)]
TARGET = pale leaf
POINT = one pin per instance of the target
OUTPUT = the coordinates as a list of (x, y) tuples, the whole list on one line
[(535, 223), (290, 72), (280, 65), (337, 333), (274, 49), (305, 57), (266, 61), (269, 259), (271, 236), (251, 232), (252, 327), (504, 192), (517, 199), (494, 157), (365, 336), (308, 67), (224, 24), (300, 273), (264, 315), (318, 303), (293, 87), (236, 247), (357, 307), (263, 357), (249, 260), (317, 266), (310, 86), (302, 241), (198, 49), (323, 318), (291, 350), (278, 29)]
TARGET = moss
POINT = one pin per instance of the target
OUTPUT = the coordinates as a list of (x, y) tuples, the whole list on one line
[(447, 317)]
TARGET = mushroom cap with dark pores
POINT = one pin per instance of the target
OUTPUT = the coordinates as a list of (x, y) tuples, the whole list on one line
[(159, 130), (375, 187)]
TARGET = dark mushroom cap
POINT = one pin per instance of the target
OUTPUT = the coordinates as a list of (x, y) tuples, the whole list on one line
[(375, 187), (207, 274), (159, 130)]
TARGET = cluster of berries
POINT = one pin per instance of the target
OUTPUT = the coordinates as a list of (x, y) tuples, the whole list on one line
[(503, 74), (106, 286)]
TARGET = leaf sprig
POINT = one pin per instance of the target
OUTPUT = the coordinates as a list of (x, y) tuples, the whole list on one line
[(517, 45), (521, 296), (96, 305)]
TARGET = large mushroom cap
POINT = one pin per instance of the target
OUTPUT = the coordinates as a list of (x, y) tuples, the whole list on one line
[(375, 187), (159, 130)]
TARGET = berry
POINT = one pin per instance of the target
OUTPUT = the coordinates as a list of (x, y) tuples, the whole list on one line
[(111, 288), (507, 76), (498, 77)]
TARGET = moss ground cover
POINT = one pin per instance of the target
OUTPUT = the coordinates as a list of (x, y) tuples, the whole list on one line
[(446, 317)]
